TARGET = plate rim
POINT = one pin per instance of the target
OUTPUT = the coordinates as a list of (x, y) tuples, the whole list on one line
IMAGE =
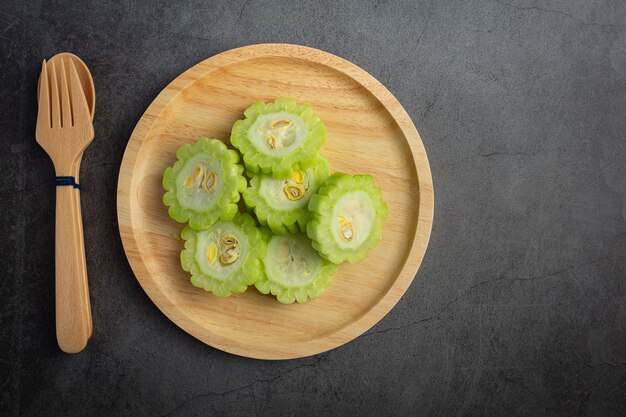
[(422, 229)]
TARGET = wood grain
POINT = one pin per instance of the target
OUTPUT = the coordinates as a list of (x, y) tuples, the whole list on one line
[(368, 132)]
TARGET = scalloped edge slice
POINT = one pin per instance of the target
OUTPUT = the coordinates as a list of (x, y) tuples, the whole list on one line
[(279, 166), (251, 269), (233, 184), (287, 220), (301, 294), (321, 206)]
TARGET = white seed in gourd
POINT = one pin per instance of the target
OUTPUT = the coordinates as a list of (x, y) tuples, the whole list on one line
[(229, 241), (229, 256), (293, 192), (197, 172), (298, 177), (210, 180), (188, 181), (271, 141), (346, 231), (211, 252), (279, 124)]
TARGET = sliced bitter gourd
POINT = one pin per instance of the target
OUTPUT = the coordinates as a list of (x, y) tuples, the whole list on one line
[(225, 258), (347, 217), (294, 271), (281, 204), (204, 183), (278, 138)]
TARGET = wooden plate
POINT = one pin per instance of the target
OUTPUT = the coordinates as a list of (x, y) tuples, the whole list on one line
[(368, 132)]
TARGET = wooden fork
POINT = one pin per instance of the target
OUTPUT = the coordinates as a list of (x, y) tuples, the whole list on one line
[(90, 95), (64, 130)]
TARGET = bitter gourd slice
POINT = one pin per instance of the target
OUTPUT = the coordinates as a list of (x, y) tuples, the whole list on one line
[(204, 184), (281, 204), (294, 271), (278, 138), (347, 215), (225, 258)]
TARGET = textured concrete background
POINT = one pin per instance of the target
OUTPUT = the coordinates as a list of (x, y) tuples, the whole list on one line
[(519, 308)]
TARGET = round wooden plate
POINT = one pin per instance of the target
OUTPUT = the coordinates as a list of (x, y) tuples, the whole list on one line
[(368, 132)]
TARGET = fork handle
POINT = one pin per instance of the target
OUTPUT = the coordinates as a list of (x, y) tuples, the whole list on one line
[(81, 246), (72, 304), (75, 172)]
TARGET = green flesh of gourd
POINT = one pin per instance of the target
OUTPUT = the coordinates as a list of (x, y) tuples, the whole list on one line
[(196, 197), (291, 261), (287, 138), (214, 235), (352, 219), (274, 191)]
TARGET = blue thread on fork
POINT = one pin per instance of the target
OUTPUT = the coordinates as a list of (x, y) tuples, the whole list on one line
[(66, 180)]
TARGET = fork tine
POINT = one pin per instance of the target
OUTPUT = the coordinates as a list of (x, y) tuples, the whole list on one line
[(43, 114), (66, 109), (55, 103), (79, 102)]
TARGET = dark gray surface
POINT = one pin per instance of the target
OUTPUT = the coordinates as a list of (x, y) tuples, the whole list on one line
[(519, 308)]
